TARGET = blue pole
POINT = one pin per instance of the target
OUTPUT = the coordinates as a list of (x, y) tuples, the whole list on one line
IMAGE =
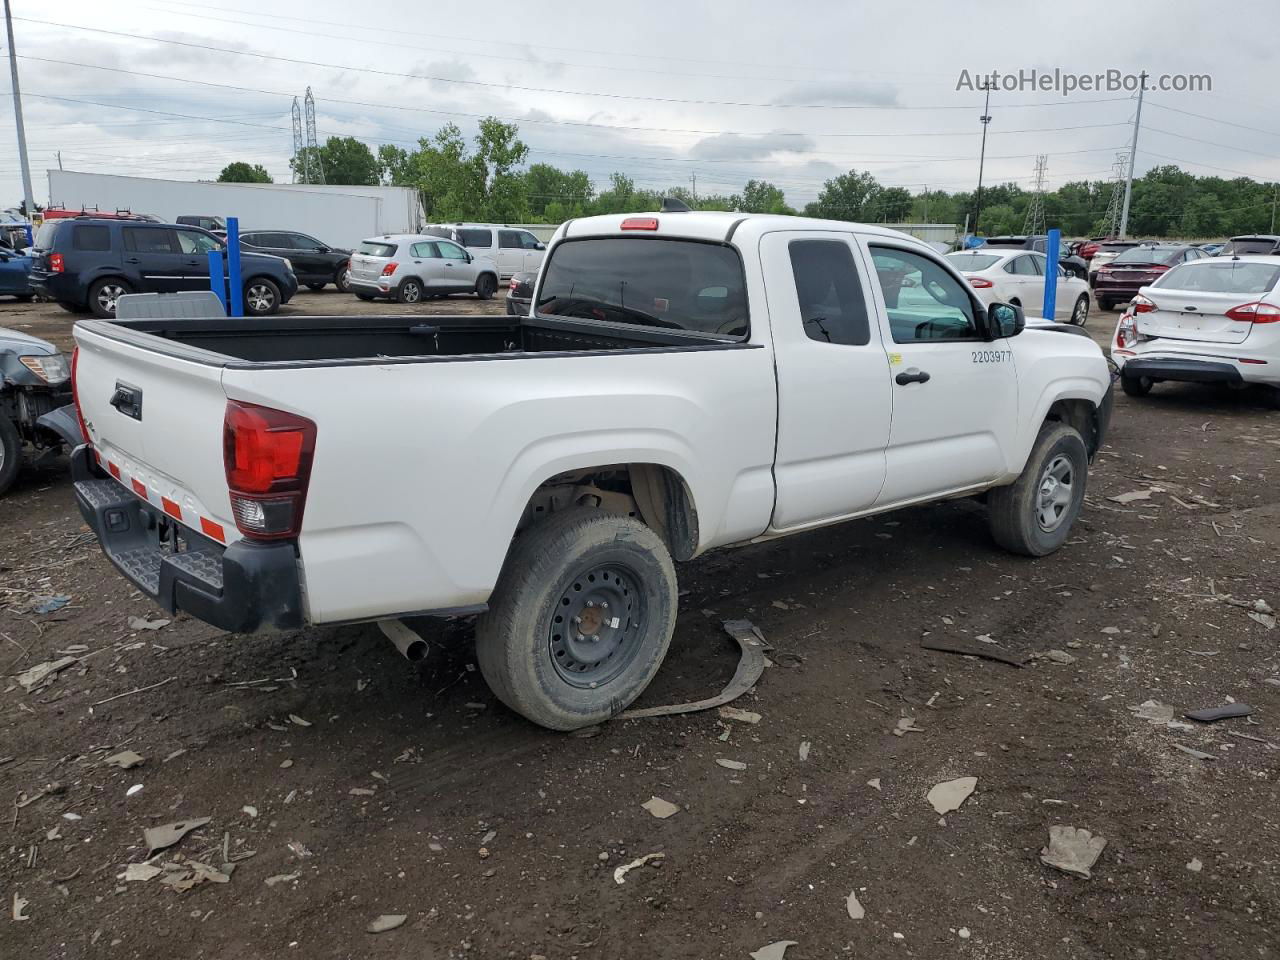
[(217, 281), (1051, 273), (233, 267)]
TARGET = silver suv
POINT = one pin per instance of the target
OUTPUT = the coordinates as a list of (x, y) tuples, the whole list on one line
[(409, 268)]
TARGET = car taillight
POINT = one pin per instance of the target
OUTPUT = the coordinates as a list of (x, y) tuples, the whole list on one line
[(389, 269), (980, 283), (1159, 267), (640, 223), (75, 396), (1143, 305), (55, 263), (1126, 331), (267, 454), (1256, 312)]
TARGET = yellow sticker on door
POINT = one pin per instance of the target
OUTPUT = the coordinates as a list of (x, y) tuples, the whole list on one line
[(895, 359)]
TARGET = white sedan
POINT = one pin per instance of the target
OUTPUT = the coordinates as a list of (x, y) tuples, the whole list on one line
[(1017, 277)]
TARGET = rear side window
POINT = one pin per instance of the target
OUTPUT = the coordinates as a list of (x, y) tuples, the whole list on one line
[(677, 284), (371, 248), (832, 307), (476, 238), (1221, 276), (1022, 267), (86, 237), (150, 240), (45, 235), (1246, 245), (426, 251), (445, 232)]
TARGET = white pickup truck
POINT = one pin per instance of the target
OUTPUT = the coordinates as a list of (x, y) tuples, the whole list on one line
[(686, 381)]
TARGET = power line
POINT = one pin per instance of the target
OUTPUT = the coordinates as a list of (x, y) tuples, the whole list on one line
[(1201, 116)]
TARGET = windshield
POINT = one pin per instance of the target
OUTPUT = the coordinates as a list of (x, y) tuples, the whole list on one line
[(1222, 276), (1147, 255), (1247, 245), (371, 248), (681, 284), (972, 261)]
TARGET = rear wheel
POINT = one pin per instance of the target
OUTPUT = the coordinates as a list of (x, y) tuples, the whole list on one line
[(103, 295), (315, 286), (410, 291), (10, 453), (1080, 312), (1135, 386), (486, 286), (261, 297), (1105, 304), (580, 619), (1034, 514), (342, 279)]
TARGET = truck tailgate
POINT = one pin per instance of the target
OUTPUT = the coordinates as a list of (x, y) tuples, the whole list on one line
[(155, 422)]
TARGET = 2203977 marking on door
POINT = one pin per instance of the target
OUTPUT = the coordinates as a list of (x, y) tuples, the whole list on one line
[(992, 356)]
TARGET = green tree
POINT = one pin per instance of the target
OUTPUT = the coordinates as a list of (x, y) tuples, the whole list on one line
[(241, 172), (892, 205), (393, 164), (546, 185), (761, 196), (343, 160), (846, 197)]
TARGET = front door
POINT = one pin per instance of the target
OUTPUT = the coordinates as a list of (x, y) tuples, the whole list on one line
[(833, 378), (426, 264), (195, 246), (955, 396), (459, 270)]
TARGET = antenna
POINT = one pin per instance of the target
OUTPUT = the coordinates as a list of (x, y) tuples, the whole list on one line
[(1034, 224), (298, 155), (315, 172)]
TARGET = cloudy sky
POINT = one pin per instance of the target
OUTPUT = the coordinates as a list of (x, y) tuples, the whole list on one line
[(662, 90)]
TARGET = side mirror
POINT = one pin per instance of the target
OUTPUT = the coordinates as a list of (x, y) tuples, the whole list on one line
[(470, 258), (1005, 320), (539, 246), (322, 249)]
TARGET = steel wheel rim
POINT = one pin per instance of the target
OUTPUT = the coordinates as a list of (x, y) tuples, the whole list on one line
[(1081, 311), (1054, 493), (344, 281), (260, 297), (411, 293), (108, 295), (604, 606)]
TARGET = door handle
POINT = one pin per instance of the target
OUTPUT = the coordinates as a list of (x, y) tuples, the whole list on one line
[(132, 260), (912, 375), (448, 264)]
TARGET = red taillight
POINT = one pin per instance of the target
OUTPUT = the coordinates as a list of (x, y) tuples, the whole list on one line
[(389, 269), (1160, 267), (1256, 312), (980, 283), (1142, 305), (267, 454), (75, 396), (640, 223), (55, 263)]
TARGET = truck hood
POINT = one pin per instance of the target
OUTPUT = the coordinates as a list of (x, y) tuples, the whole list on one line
[(23, 343)]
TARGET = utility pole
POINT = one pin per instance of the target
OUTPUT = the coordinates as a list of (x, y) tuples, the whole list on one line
[(693, 179), (59, 159), (926, 203), (1133, 155), (982, 156), (1275, 188), (29, 199)]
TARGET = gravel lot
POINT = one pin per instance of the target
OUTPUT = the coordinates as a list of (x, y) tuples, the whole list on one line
[(410, 791)]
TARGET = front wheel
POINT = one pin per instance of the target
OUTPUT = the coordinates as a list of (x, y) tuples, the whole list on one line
[(261, 297), (1135, 386), (1080, 312), (10, 453), (342, 279), (486, 286), (1034, 514), (580, 619)]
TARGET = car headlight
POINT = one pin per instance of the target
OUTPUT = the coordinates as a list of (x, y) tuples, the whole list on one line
[(51, 368)]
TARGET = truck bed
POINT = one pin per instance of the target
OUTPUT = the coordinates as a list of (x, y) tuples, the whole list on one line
[(293, 341)]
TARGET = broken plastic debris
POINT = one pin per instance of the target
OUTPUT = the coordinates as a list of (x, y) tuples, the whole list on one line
[(856, 910), (906, 725), (774, 951), (145, 623), (388, 921), (250, 811), (166, 835), (1134, 495), (140, 872), (1211, 714), (50, 604), (731, 764), (361, 792), (125, 760), (281, 878), (620, 873), (1195, 866), (1072, 851), (874, 784), (134, 790), (43, 673), (1193, 752), (1055, 656), (19, 905), (298, 721), (298, 849), (804, 749), (1154, 711), (950, 794), (742, 716), (662, 809)]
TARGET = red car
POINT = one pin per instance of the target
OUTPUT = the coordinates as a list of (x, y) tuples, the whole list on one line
[(1122, 278)]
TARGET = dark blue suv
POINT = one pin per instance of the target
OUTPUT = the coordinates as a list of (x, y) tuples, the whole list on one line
[(85, 263)]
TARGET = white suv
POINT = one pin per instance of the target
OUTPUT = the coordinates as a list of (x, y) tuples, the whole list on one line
[(1209, 321), (512, 249), (411, 267)]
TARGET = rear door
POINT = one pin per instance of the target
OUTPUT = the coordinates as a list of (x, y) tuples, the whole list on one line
[(833, 378), (1027, 279), (510, 252), (426, 264), (1191, 301)]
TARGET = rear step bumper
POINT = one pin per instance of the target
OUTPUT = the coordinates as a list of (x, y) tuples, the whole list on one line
[(1190, 371), (240, 588)]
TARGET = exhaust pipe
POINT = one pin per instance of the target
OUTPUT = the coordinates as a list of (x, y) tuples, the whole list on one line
[(411, 646)]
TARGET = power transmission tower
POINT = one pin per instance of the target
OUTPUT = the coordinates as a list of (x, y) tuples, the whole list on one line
[(299, 157), (1111, 223), (1034, 224), (1133, 155), (316, 171)]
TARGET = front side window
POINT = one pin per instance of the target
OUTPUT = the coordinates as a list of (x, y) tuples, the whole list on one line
[(508, 240), (192, 242), (476, 238), (88, 237), (649, 281), (528, 240), (924, 301), (450, 250), (150, 240), (832, 307)]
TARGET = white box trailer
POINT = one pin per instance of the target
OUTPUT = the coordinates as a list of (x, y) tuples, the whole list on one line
[(340, 216)]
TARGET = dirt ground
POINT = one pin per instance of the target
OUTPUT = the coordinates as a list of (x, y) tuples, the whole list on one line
[(345, 783)]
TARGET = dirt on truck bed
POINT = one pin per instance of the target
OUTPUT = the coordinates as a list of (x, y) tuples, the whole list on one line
[(343, 784)]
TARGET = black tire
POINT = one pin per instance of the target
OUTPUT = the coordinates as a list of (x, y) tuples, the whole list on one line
[(486, 286), (1135, 386), (1080, 312), (1104, 304), (72, 307), (10, 453), (315, 286), (1030, 516), (527, 660), (1015, 302), (103, 294), (342, 279), (24, 297), (409, 291), (261, 297), (364, 296)]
